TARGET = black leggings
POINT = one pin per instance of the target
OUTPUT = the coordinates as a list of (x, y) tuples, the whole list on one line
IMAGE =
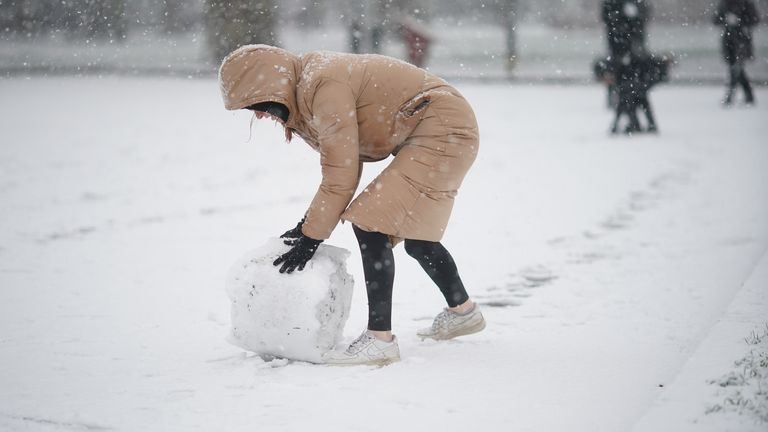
[(379, 270)]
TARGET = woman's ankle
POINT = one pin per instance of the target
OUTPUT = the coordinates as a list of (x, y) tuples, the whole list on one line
[(382, 335), (463, 308)]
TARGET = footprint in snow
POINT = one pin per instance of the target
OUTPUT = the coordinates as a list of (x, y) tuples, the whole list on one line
[(593, 256), (537, 276), (499, 303), (618, 221), (516, 288)]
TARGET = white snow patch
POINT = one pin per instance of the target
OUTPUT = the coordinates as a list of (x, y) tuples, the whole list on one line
[(297, 316)]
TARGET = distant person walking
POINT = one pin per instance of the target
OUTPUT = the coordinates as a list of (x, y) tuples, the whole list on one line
[(737, 17)]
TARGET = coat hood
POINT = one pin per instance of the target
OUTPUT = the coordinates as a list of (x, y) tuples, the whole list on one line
[(260, 73)]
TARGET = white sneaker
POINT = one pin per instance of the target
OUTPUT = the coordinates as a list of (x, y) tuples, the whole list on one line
[(449, 324), (365, 350)]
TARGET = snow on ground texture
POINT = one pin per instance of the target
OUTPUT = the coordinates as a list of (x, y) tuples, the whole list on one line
[(601, 262), (728, 372), (297, 316)]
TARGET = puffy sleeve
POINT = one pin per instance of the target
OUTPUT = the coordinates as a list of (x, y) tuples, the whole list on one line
[(334, 118)]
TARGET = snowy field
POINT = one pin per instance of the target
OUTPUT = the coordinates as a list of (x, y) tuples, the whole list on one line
[(619, 275)]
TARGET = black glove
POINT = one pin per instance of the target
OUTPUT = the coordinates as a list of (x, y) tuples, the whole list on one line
[(294, 232), (302, 251)]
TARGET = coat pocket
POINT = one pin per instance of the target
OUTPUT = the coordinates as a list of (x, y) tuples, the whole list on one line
[(408, 117)]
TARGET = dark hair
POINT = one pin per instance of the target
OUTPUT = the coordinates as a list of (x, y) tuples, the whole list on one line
[(275, 108)]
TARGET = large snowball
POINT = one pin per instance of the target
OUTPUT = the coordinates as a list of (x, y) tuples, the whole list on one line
[(296, 316)]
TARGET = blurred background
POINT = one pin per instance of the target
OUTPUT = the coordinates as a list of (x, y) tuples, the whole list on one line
[(523, 40)]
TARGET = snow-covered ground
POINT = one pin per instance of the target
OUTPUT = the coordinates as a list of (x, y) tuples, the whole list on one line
[(607, 266)]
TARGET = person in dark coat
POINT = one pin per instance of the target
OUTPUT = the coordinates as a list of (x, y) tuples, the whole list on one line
[(737, 17), (625, 22)]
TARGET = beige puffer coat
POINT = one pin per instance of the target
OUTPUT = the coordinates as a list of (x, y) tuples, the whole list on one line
[(362, 108)]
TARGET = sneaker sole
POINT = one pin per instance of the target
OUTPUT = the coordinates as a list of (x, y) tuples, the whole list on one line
[(480, 326)]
